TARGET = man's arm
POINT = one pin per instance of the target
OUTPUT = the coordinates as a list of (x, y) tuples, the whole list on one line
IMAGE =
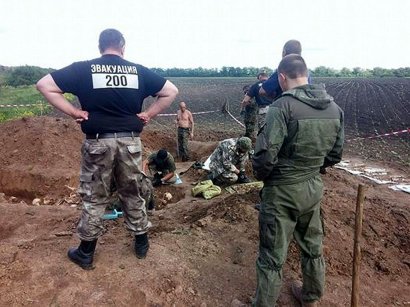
[(191, 120), (167, 176), (227, 159), (54, 95), (246, 101), (145, 167), (164, 99), (178, 117), (335, 155), (269, 142)]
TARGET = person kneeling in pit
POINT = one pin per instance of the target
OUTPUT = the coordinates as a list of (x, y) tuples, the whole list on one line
[(161, 166), (227, 162)]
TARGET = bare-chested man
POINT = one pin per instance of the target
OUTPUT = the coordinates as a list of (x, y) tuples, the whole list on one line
[(185, 124)]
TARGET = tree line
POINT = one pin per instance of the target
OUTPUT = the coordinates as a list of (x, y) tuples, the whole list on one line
[(28, 75), (320, 71)]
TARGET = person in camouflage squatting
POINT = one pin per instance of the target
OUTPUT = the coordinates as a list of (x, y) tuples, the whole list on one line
[(303, 131), (227, 162)]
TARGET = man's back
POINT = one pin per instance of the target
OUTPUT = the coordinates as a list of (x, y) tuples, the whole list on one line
[(111, 89), (304, 126)]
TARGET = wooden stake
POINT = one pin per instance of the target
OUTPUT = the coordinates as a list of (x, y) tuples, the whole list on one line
[(356, 246)]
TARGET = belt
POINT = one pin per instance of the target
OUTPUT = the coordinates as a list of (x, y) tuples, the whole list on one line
[(111, 135), (183, 128)]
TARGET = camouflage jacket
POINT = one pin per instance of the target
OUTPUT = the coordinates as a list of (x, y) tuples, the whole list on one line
[(226, 158), (303, 131)]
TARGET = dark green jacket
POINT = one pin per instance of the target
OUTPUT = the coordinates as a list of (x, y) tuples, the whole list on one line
[(303, 131)]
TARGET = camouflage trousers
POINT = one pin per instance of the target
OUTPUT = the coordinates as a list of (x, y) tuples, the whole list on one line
[(250, 128), (183, 136), (105, 161), (288, 210), (262, 116), (227, 178)]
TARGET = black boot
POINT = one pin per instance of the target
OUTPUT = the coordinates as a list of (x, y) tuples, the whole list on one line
[(141, 245), (242, 178), (151, 206), (83, 255)]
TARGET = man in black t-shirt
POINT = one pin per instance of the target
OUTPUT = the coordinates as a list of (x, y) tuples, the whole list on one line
[(111, 91), (262, 102)]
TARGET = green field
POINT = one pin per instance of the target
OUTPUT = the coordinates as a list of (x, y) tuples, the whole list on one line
[(22, 95), (25, 101)]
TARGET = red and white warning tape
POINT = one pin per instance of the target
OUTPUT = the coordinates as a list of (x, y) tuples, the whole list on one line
[(194, 113), (20, 105), (381, 135)]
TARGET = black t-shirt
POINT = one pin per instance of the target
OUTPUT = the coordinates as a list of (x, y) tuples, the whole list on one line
[(111, 90), (261, 101), (272, 87)]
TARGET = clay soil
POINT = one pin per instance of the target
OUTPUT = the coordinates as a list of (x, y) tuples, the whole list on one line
[(202, 252)]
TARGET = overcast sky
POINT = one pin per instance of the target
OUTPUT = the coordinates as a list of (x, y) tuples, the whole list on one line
[(208, 33)]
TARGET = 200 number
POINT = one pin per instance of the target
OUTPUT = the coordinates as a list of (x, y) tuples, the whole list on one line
[(116, 80)]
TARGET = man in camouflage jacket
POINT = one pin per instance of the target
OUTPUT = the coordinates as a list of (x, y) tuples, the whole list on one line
[(227, 162), (303, 132)]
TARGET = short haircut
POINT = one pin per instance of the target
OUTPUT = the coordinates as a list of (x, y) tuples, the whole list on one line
[(111, 38), (293, 66), (292, 46), (162, 154), (262, 74)]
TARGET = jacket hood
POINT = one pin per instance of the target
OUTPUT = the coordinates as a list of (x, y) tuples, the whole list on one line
[(313, 95)]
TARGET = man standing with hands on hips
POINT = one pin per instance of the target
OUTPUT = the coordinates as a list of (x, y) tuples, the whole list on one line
[(111, 91)]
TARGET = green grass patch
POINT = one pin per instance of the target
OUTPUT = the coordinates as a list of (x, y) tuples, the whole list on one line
[(24, 95)]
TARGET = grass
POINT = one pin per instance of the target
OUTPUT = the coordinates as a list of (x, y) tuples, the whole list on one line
[(23, 95)]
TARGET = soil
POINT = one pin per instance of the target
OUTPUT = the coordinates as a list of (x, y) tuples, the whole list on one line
[(202, 252)]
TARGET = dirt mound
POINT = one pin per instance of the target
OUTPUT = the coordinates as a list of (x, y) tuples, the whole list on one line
[(236, 208), (40, 156), (200, 151)]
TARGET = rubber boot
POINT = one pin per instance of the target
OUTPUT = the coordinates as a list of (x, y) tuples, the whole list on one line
[(83, 255), (141, 245), (297, 293)]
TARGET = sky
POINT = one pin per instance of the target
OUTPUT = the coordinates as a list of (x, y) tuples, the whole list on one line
[(208, 33)]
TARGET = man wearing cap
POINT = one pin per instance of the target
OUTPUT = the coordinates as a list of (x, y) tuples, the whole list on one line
[(227, 162), (161, 166), (111, 91)]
